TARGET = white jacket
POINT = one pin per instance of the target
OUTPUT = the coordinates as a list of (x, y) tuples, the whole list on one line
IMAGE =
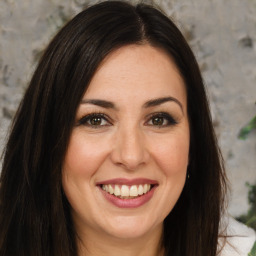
[(240, 238)]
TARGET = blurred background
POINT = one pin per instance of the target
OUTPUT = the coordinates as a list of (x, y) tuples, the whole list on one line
[(222, 35)]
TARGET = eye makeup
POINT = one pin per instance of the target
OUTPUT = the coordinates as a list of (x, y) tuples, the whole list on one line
[(161, 119), (94, 120), (99, 120)]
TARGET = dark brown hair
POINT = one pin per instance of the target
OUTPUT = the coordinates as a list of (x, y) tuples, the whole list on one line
[(34, 213)]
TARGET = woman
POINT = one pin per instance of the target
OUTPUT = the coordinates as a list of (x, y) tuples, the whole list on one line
[(112, 149)]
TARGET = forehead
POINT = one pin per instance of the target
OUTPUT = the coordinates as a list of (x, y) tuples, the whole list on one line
[(137, 71)]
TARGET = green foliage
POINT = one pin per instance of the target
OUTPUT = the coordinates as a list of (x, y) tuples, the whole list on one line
[(250, 218), (243, 133), (253, 251)]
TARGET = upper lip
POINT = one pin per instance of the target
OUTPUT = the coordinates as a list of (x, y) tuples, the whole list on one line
[(123, 181)]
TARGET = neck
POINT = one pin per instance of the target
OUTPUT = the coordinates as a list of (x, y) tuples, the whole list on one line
[(102, 244)]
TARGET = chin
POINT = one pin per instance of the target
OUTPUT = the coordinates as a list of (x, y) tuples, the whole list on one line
[(132, 227)]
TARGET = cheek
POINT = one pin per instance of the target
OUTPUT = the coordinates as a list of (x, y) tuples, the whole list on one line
[(172, 155), (84, 156), (83, 159)]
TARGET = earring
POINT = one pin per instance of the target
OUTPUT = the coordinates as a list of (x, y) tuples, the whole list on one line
[(188, 174)]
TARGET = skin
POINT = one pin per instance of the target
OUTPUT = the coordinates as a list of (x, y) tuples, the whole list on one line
[(127, 143)]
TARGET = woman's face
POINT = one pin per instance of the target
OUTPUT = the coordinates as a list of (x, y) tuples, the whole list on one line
[(127, 158)]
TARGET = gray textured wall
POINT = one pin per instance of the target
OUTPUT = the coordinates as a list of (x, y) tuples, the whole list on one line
[(221, 33)]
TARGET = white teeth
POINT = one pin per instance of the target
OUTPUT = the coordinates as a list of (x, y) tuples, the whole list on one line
[(140, 190), (145, 188), (125, 191), (110, 189), (117, 191), (133, 190)]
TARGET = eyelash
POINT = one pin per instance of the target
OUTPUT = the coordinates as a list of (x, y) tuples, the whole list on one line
[(85, 120), (165, 117)]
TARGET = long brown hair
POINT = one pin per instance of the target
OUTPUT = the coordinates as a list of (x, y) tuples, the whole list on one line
[(34, 213)]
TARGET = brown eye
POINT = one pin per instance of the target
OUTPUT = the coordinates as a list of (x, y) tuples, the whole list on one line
[(157, 120), (94, 120), (161, 119)]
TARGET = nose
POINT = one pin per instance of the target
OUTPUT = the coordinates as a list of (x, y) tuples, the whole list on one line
[(129, 149)]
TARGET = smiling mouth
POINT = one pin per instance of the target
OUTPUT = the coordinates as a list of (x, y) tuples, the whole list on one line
[(127, 191)]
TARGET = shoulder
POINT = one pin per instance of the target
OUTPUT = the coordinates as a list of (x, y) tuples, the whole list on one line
[(239, 238)]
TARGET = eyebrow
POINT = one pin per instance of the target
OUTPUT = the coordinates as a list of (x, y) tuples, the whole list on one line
[(148, 104), (101, 103), (159, 101)]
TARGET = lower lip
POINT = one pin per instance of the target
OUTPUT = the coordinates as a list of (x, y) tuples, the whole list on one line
[(129, 203)]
